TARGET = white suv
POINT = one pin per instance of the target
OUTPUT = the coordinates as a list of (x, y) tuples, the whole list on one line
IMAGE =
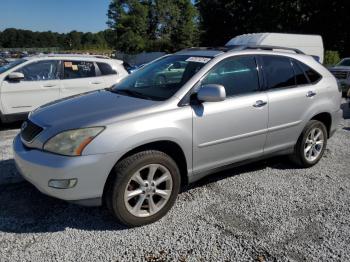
[(28, 83)]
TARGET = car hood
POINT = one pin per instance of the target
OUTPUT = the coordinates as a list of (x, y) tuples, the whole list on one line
[(95, 108)]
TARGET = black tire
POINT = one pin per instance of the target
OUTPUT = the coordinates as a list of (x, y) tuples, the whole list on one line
[(298, 157), (123, 171)]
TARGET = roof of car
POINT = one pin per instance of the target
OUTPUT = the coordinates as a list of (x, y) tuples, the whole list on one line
[(74, 57), (202, 51), (215, 51)]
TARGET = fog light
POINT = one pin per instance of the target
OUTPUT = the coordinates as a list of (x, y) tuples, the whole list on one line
[(63, 183)]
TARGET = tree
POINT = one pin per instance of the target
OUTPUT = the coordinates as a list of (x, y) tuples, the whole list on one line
[(220, 20), (128, 19), (157, 25)]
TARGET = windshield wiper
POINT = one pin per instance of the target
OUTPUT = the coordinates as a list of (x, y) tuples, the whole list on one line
[(130, 93)]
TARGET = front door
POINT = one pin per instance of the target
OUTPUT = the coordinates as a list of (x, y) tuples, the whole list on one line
[(234, 129), (41, 84)]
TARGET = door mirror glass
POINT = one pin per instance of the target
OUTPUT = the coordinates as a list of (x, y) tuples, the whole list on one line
[(15, 76), (211, 93)]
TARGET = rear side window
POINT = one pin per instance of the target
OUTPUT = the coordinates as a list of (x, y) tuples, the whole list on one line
[(300, 76), (78, 69), (278, 72), (311, 74), (106, 69)]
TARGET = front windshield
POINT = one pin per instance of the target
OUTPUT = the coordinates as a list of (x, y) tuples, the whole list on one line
[(161, 79), (345, 62), (10, 65)]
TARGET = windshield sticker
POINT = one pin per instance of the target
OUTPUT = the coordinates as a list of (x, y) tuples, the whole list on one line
[(203, 60), (67, 64)]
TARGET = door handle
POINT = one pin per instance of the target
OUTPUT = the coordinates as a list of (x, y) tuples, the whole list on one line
[(260, 103), (96, 83), (49, 85), (310, 94)]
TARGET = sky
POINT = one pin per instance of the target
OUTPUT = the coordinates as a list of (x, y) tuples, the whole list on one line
[(55, 15)]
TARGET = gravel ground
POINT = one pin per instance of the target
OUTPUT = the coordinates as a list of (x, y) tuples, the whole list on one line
[(268, 211)]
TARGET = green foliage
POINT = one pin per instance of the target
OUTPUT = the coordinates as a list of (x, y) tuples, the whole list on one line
[(158, 25), (17, 38), (222, 20), (331, 58)]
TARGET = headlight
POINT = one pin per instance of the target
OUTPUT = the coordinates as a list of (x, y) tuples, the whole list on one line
[(72, 142)]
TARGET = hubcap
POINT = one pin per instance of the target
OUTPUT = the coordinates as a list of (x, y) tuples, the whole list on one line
[(148, 190), (314, 144)]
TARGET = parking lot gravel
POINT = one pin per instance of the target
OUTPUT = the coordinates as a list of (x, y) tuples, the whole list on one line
[(267, 211)]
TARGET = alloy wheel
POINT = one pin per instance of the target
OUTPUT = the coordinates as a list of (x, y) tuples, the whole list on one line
[(148, 190), (314, 144)]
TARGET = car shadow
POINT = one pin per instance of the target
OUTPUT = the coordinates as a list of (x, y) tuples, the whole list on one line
[(277, 162), (10, 126), (8, 172), (25, 210), (346, 110)]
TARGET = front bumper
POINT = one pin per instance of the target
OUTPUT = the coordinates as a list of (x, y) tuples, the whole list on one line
[(39, 167)]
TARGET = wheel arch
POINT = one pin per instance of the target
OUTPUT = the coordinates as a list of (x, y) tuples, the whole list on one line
[(168, 147), (326, 119)]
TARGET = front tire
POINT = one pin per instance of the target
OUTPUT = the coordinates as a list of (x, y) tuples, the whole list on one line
[(144, 188), (311, 144)]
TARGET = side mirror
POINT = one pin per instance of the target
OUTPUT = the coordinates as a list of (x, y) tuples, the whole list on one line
[(15, 76), (211, 93)]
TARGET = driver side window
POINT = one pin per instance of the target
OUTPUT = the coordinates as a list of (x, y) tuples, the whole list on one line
[(239, 75), (40, 71)]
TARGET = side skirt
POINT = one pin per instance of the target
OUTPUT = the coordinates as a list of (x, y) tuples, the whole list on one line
[(198, 176)]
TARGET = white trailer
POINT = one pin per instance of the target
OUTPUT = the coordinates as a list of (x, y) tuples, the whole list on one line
[(309, 44)]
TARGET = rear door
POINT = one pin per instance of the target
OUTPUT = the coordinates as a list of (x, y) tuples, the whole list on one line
[(41, 84), (79, 77), (291, 90)]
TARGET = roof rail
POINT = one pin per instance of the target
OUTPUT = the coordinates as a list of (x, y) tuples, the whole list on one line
[(76, 55), (242, 47), (205, 48), (271, 48)]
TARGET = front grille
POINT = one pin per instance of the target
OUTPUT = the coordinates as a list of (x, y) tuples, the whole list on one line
[(340, 74), (30, 130)]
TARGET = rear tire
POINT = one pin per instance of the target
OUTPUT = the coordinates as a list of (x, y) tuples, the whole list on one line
[(144, 188), (311, 144)]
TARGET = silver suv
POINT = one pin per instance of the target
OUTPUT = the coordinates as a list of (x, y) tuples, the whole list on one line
[(134, 145)]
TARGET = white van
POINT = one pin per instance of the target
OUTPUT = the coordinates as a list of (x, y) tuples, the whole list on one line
[(30, 82), (309, 44)]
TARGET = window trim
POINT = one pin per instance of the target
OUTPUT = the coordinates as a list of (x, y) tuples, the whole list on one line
[(68, 60), (187, 98)]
